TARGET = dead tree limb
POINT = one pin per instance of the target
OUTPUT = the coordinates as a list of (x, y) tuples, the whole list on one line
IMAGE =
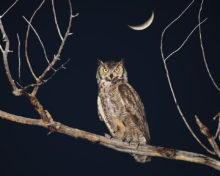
[(164, 59), (203, 51), (149, 150), (203, 129), (44, 114)]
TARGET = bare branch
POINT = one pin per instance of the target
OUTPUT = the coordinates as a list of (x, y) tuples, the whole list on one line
[(50, 77), (57, 56), (26, 41), (1, 16), (6, 51), (203, 51), (53, 74), (205, 131), (73, 16), (19, 58), (1, 49), (149, 150), (184, 42), (170, 84), (42, 45), (55, 19), (168, 26), (5, 59), (217, 134)]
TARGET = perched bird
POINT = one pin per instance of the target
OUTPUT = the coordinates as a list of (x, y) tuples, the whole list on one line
[(120, 107)]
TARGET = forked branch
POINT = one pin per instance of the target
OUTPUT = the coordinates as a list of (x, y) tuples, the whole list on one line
[(164, 59), (204, 130)]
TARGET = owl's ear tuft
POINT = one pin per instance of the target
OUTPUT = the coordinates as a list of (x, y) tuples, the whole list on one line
[(100, 62), (121, 62)]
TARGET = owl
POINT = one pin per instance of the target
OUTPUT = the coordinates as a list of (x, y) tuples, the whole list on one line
[(120, 107)]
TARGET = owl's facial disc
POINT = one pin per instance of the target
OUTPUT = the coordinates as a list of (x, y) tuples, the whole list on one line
[(114, 73), (111, 71)]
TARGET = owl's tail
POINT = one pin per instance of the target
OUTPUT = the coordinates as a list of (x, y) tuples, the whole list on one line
[(141, 158)]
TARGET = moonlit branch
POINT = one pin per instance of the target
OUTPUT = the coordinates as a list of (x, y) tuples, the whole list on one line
[(1, 16), (203, 51), (169, 25), (205, 131), (149, 150), (217, 134), (26, 41), (55, 19), (42, 45), (19, 58), (5, 52), (169, 81), (184, 42)]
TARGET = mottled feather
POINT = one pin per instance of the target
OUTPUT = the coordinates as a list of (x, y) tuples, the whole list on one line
[(134, 105)]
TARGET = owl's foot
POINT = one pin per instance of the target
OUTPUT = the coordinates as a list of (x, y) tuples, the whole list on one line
[(134, 137), (108, 136)]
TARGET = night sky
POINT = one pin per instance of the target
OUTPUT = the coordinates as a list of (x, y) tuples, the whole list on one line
[(101, 32)]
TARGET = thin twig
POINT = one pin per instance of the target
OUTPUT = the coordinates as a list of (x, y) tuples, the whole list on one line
[(53, 74), (19, 59), (49, 78), (55, 19), (149, 150), (5, 59), (26, 41), (1, 49), (187, 38), (217, 134), (170, 84), (1, 16), (42, 45), (203, 51), (57, 56), (170, 24)]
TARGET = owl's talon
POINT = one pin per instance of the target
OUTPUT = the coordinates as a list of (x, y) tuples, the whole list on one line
[(108, 136), (133, 143)]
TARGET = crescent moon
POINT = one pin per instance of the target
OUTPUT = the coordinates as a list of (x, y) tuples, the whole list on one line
[(144, 25)]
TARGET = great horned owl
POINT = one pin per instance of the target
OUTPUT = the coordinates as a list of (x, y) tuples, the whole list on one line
[(120, 107)]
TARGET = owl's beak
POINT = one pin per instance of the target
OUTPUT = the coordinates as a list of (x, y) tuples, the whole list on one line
[(111, 75)]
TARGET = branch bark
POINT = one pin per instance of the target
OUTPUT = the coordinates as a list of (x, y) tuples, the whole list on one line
[(149, 150)]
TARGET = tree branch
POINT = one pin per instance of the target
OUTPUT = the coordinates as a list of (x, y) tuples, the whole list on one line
[(205, 131), (203, 51), (149, 150), (57, 56), (5, 52), (217, 134), (26, 41), (55, 20), (168, 76), (39, 39)]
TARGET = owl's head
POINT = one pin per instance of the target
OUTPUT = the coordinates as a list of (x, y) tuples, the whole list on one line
[(111, 71)]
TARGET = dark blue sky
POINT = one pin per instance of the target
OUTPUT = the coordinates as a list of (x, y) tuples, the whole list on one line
[(101, 32)]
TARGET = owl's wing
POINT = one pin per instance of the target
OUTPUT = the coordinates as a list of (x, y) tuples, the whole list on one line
[(134, 105)]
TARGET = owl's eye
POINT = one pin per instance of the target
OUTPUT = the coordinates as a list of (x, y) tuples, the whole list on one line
[(117, 69), (105, 70)]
